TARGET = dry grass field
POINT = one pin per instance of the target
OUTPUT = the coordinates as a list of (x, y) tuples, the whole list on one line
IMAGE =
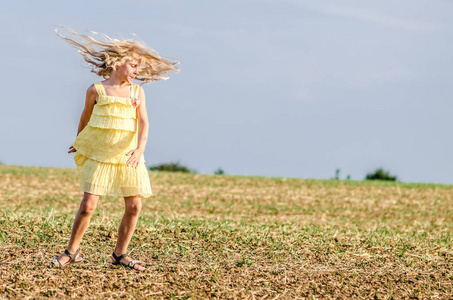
[(231, 237)]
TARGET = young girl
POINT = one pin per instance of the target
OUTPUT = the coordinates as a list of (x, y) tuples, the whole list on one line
[(112, 136)]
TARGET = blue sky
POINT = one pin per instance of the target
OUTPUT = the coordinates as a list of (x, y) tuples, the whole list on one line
[(268, 88)]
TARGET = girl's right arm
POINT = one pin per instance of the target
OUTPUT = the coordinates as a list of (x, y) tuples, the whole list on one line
[(90, 101)]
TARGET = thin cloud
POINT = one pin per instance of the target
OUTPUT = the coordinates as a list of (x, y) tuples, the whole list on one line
[(375, 17), (368, 15)]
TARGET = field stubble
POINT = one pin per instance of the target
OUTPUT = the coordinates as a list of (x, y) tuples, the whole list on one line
[(232, 237)]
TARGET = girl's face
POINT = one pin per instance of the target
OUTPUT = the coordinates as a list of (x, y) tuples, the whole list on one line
[(129, 70)]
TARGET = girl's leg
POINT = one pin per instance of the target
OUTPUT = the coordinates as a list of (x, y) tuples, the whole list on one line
[(127, 226), (81, 222)]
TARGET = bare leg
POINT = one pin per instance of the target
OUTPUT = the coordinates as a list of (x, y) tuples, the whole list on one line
[(133, 205), (81, 222)]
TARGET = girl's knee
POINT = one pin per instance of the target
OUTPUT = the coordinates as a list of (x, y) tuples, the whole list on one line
[(133, 207), (88, 205), (87, 208)]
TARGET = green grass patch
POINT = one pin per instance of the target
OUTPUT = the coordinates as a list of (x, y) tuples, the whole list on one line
[(205, 236)]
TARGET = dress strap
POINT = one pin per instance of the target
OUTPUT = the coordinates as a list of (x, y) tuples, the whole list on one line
[(100, 89), (134, 90)]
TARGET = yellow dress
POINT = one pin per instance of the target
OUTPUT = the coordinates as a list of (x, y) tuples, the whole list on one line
[(102, 145)]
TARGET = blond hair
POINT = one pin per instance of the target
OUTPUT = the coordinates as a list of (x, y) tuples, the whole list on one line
[(104, 56)]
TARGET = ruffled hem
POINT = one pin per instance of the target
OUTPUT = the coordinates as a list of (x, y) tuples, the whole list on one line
[(104, 100), (113, 123), (105, 145), (119, 111), (115, 191), (81, 157), (114, 180)]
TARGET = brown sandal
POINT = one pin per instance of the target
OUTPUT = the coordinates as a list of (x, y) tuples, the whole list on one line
[(73, 259), (130, 265)]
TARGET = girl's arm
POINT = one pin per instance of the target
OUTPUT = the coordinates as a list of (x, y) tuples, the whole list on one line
[(143, 125), (142, 136), (90, 101)]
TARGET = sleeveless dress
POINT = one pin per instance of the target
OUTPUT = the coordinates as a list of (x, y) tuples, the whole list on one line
[(102, 145)]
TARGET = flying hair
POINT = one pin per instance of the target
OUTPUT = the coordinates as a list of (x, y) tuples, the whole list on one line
[(105, 54)]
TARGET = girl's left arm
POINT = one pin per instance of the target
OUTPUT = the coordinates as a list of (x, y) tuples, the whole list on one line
[(143, 127)]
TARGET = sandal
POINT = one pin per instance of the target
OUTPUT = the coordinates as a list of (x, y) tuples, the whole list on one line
[(135, 264), (73, 259)]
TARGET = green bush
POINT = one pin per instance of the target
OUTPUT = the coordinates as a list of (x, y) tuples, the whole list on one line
[(171, 167), (219, 171), (380, 174)]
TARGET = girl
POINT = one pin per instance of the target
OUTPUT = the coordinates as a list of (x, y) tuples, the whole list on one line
[(112, 136)]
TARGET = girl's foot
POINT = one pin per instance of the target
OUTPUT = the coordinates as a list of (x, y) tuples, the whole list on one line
[(126, 261), (66, 258)]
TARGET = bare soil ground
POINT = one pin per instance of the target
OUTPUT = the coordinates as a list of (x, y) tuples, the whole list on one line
[(231, 238)]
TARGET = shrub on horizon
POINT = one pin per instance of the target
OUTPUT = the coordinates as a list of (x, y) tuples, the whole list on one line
[(380, 174), (219, 171), (171, 167)]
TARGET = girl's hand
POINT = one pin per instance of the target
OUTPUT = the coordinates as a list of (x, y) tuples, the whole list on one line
[(72, 149), (134, 158)]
